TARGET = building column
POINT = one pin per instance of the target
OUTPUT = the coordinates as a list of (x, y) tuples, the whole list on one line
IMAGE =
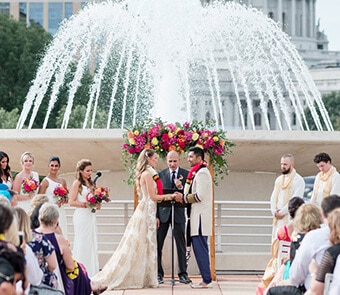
[(46, 15), (279, 12), (293, 18), (304, 24), (312, 18), (265, 7)]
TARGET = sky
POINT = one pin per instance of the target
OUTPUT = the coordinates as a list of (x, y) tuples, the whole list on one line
[(329, 13)]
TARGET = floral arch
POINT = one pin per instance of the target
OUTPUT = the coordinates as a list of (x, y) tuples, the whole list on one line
[(163, 137)]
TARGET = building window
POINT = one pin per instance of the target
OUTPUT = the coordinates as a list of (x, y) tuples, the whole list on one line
[(284, 21), (256, 103), (257, 119), (294, 119), (55, 16), (36, 12), (68, 9), (207, 116), (4, 8), (23, 12)]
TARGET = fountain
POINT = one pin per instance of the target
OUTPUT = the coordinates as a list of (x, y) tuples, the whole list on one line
[(177, 60)]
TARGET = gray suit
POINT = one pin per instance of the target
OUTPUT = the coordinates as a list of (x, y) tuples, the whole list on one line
[(164, 215)]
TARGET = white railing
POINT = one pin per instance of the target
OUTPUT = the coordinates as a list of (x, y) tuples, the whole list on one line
[(240, 226)]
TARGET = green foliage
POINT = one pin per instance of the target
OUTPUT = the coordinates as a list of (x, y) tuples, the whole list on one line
[(332, 105), (8, 119), (21, 48)]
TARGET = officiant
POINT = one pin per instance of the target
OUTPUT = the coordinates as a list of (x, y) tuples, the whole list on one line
[(173, 178)]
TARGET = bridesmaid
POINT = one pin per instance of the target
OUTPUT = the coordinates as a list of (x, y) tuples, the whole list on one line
[(49, 184), (85, 246), (5, 170), (24, 197)]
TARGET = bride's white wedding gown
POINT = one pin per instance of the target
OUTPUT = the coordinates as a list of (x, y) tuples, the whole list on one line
[(134, 263)]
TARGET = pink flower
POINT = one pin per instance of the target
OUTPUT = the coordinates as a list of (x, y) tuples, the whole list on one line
[(29, 185), (96, 196), (60, 192)]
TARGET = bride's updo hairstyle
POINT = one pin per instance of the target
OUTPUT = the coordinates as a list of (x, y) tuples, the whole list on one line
[(142, 164)]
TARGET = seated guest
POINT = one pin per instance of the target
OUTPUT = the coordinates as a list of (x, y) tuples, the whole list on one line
[(312, 247), (33, 213), (81, 283), (44, 251), (34, 273), (283, 234), (12, 270), (8, 227), (335, 285), (308, 217), (331, 254), (7, 286)]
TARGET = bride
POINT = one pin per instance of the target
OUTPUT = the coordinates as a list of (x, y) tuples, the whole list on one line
[(134, 263)]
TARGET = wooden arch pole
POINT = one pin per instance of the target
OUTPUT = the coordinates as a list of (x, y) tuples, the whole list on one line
[(135, 199), (212, 237)]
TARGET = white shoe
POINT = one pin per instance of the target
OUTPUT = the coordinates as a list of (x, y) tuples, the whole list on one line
[(202, 285)]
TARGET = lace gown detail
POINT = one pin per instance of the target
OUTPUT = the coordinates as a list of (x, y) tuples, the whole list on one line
[(134, 263), (85, 247)]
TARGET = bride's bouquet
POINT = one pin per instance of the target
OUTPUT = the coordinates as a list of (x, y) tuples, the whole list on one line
[(60, 192), (96, 196), (29, 185)]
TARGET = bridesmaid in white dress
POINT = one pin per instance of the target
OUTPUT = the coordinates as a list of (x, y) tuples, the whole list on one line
[(85, 246), (134, 264), (5, 170), (47, 187), (24, 198)]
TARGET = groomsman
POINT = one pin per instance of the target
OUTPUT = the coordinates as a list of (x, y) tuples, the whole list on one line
[(327, 181), (174, 178), (288, 185)]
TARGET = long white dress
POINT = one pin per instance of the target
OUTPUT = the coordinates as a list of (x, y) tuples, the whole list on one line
[(85, 247), (134, 263), (62, 214), (26, 205)]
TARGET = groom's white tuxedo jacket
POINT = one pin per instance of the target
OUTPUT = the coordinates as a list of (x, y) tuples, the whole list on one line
[(202, 211)]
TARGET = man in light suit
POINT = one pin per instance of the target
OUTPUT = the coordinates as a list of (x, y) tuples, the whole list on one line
[(198, 192), (174, 178)]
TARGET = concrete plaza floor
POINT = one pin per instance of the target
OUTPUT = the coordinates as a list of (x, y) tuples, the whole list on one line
[(224, 285)]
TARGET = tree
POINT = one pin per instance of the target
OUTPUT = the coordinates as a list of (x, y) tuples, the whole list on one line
[(21, 48), (8, 119), (332, 105)]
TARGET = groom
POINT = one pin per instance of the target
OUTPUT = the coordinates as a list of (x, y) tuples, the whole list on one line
[(198, 193), (173, 178)]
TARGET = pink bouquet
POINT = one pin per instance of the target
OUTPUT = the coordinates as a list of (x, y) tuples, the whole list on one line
[(60, 192), (29, 185), (96, 196)]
